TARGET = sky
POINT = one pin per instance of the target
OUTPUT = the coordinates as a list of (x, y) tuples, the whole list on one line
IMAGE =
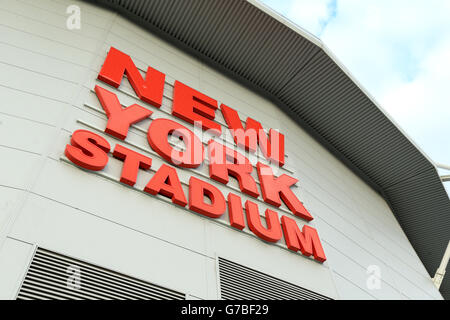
[(398, 50)]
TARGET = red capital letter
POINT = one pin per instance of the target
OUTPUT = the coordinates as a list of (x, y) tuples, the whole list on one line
[(198, 189), (166, 182), (273, 188), (117, 63), (119, 120), (253, 135), (132, 161), (307, 240), (273, 231), (224, 161), (191, 106), (88, 150), (158, 135), (235, 211)]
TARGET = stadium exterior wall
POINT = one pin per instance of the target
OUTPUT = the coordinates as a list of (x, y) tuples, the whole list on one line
[(47, 79)]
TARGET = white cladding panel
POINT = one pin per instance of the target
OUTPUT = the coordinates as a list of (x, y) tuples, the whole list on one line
[(47, 74)]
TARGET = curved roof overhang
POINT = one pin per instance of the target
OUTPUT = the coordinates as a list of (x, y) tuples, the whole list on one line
[(264, 51)]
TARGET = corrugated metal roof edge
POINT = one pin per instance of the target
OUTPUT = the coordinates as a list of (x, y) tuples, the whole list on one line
[(274, 99), (285, 21), (318, 42), (253, 87)]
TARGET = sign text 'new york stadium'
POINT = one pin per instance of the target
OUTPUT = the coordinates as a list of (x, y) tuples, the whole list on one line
[(183, 148)]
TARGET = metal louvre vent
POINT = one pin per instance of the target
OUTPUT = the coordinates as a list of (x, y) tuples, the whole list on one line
[(240, 282), (52, 276)]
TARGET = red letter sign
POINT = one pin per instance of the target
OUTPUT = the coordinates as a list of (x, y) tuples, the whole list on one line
[(254, 134), (235, 211), (273, 188), (158, 135), (132, 161), (166, 182), (307, 240), (191, 106), (198, 189), (117, 63), (119, 120), (88, 150), (224, 161), (273, 231)]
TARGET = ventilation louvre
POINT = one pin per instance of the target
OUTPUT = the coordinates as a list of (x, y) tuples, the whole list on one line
[(49, 273), (240, 282)]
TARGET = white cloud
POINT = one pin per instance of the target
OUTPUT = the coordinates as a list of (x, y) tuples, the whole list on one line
[(422, 105), (400, 52), (383, 41), (311, 15)]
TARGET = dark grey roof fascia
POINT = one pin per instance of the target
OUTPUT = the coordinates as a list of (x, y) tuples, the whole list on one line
[(269, 54)]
